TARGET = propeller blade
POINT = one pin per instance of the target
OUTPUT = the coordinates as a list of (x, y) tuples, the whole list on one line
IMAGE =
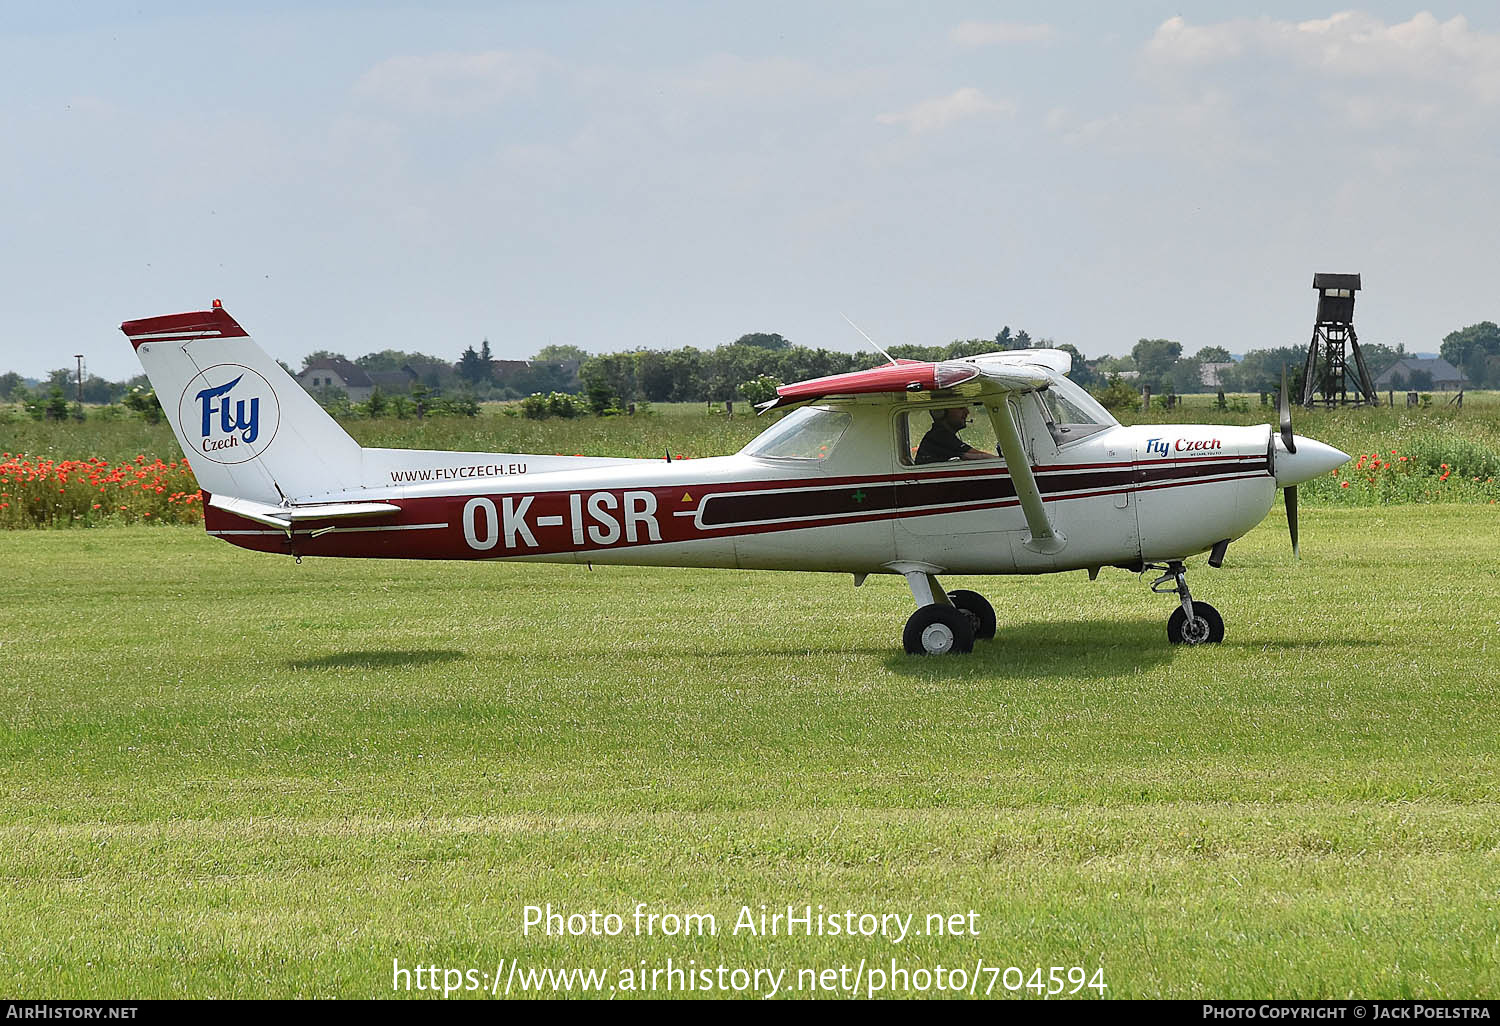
[(1286, 416), (1290, 494)]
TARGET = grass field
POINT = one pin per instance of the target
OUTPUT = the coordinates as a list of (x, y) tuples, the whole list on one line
[(225, 774)]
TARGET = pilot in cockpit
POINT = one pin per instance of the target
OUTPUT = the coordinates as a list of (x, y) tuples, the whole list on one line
[(941, 443)]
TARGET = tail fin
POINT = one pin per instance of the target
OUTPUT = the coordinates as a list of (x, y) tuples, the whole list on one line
[(248, 429)]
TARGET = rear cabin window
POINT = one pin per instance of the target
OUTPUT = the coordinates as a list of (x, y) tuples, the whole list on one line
[(810, 433)]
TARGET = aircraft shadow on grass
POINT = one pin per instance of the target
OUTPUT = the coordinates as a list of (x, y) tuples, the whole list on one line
[(368, 659), (1098, 648), (1055, 647)]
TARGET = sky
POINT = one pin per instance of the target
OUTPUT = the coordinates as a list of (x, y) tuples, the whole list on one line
[(358, 177)]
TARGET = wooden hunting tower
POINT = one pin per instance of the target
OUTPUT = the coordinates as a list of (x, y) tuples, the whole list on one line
[(1333, 340)]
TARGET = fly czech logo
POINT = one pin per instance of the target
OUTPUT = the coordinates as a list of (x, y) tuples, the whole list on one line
[(1160, 447), (229, 412)]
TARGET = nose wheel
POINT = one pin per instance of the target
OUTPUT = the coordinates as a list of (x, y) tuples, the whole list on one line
[(1192, 622)]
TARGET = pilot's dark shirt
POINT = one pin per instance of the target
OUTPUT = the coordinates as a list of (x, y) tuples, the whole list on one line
[(941, 444)]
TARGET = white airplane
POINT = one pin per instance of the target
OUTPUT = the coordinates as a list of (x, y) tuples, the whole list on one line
[(994, 464)]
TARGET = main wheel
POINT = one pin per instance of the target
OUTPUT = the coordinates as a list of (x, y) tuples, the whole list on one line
[(938, 630), (979, 610), (1206, 628)]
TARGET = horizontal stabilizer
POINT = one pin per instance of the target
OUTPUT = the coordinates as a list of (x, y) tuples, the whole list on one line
[(284, 518)]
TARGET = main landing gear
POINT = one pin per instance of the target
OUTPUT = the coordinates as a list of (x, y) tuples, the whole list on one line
[(945, 621), (1191, 623)]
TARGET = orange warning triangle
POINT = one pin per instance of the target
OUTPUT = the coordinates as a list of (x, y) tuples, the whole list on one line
[(686, 497)]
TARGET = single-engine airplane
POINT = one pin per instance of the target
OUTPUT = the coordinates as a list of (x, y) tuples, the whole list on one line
[(866, 475)]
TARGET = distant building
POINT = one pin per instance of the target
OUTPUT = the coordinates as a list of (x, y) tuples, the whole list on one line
[(504, 371), (355, 382), (1404, 373)]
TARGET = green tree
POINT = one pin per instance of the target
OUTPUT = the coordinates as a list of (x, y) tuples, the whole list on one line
[(762, 340), (962, 347), (472, 367), (1154, 358), (1469, 349), (611, 374), (727, 366), (55, 405), (376, 405), (1213, 354), (1081, 372), (601, 397), (558, 353), (1186, 376), (1260, 370)]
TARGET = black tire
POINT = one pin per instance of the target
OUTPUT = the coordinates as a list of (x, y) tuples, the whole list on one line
[(978, 607), (1207, 627), (938, 630)]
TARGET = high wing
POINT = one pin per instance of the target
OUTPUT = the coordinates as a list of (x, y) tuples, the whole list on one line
[(992, 374)]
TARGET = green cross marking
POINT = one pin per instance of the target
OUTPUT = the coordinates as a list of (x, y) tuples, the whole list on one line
[(858, 496)]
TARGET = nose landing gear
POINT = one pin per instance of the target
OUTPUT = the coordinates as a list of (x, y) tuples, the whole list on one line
[(1191, 623)]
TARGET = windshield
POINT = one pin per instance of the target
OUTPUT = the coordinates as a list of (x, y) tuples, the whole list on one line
[(806, 434), (1071, 412)]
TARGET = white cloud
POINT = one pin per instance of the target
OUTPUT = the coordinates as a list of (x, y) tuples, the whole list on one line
[(1348, 45), (935, 114), (452, 83), (996, 33)]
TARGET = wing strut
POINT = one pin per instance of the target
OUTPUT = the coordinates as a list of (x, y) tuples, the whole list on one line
[(1044, 538)]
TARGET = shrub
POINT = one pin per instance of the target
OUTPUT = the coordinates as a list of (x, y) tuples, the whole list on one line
[(554, 404), (1117, 395), (760, 389)]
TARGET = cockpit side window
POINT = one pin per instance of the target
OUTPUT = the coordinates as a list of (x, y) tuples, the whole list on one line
[(945, 435)]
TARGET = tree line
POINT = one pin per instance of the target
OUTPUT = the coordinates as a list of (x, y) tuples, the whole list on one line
[(750, 367)]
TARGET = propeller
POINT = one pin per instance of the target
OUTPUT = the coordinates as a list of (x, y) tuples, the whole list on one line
[(1289, 493)]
